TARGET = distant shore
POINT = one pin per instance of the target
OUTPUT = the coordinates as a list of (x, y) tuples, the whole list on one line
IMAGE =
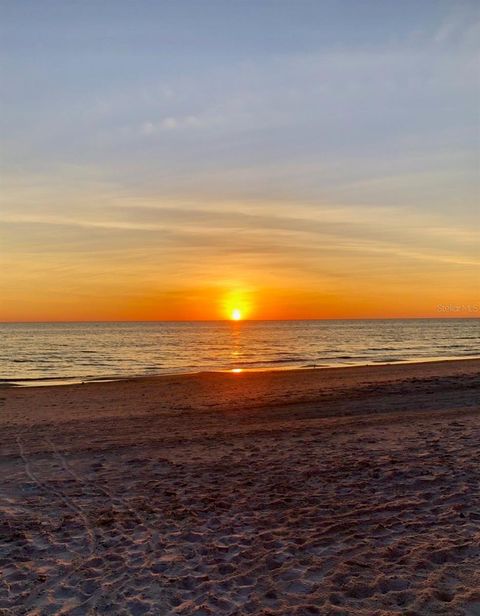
[(336, 491)]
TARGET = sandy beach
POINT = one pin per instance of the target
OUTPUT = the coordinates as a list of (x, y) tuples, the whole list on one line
[(348, 491)]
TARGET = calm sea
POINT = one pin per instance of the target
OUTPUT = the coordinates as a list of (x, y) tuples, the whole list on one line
[(48, 353)]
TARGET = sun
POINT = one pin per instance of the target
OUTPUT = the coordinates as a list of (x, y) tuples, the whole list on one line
[(235, 306), (236, 315)]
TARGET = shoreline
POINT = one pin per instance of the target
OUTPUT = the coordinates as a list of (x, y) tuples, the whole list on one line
[(347, 491), (175, 396), (53, 381)]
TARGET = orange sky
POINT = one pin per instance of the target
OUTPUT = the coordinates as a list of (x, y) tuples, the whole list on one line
[(315, 162), (75, 272)]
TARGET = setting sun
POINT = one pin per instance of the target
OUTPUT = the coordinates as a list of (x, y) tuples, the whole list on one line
[(236, 304)]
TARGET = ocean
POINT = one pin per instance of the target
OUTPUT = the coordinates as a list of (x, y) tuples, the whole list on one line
[(54, 353)]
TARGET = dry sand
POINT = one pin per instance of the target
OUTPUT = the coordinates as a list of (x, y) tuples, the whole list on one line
[(338, 491)]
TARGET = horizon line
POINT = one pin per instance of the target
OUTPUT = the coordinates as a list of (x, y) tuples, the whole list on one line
[(439, 318)]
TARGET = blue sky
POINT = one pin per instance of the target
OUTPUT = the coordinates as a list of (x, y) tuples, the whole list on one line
[(284, 135)]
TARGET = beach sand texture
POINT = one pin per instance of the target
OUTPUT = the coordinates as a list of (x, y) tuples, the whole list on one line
[(350, 491)]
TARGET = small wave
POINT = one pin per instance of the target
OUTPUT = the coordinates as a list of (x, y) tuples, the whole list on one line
[(315, 365), (43, 378), (262, 361), (371, 349), (287, 360)]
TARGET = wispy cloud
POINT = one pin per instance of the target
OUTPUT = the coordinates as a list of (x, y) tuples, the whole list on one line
[(282, 149)]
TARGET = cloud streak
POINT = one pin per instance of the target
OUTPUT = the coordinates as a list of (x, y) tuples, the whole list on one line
[(325, 148)]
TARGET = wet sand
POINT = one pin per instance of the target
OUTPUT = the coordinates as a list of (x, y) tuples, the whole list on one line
[(350, 491)]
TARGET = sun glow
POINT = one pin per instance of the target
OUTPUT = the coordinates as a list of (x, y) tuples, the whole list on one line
[(236, 315), (236, 305)]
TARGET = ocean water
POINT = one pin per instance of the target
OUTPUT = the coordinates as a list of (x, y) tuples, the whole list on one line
[(50, 353)]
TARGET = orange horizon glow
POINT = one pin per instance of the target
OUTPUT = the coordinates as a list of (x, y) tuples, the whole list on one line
[(180, 196), (256, 305), (214, 320), (81, 290)]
